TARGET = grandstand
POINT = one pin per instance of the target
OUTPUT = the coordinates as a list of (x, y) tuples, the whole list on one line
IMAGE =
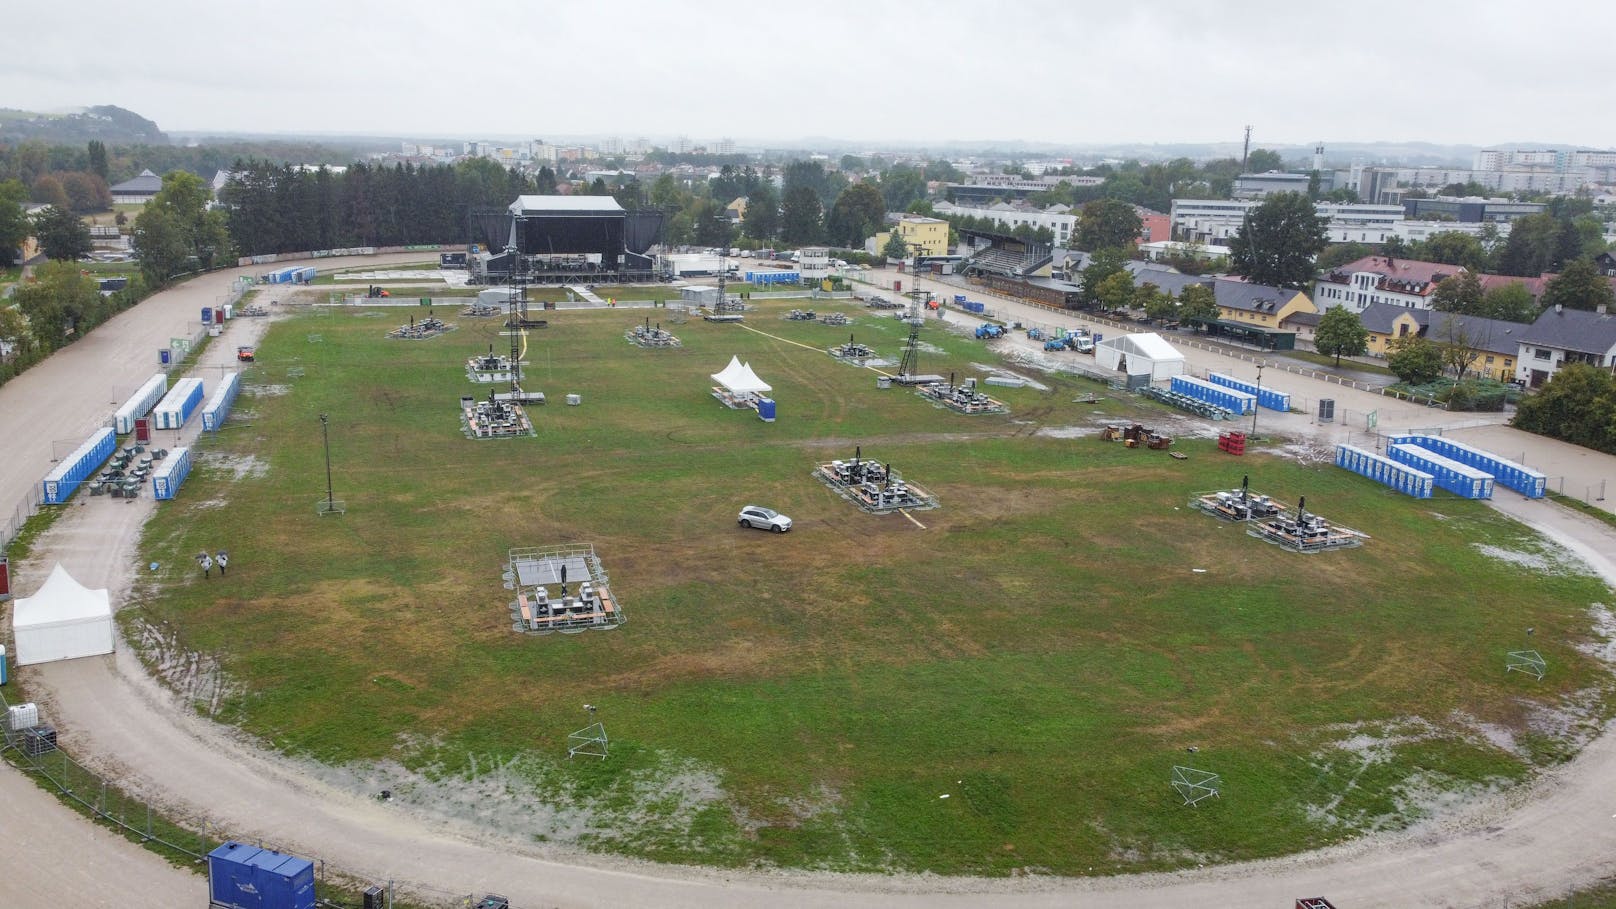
[(1004, 255), (563, 240), (1020, 268)]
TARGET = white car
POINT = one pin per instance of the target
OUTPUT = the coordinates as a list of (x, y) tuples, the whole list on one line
[(764, 519)]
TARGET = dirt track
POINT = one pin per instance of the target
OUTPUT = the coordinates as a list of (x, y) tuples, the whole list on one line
[(1528, 844)]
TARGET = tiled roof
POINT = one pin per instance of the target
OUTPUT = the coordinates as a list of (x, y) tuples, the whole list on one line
[(1573, 329), (1248, 297)]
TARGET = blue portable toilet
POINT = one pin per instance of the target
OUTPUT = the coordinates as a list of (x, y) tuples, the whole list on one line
[(3, 675), (765, 409), (164, 356), (207, 315)]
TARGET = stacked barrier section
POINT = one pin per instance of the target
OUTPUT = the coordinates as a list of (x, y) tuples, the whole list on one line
[(123, 422), (166, 479), (1401, 477), (1459, 479), (1524, 480), (1266, 397), (213, 416), (178, 405), (1238, 402), (72, 470)]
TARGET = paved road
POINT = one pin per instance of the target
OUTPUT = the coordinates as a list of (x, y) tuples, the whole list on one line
[(1528, 844)]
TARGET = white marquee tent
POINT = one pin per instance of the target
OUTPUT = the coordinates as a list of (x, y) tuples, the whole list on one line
[(1144, 354), (62, 621), (739, 379)]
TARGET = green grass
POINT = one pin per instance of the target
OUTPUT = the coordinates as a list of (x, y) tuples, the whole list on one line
[(1602, 896), (1592, 511), (1319, 359), (1042, 652)]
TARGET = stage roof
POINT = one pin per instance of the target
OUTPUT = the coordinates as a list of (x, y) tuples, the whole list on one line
[(565, 205)]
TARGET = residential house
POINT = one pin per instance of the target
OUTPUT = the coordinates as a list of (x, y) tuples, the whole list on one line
[(1258, 304), (1606, 263), (1561, 336), (1385, 323), (736, 210), (928, 236), (1381, 279), (1493, 343)]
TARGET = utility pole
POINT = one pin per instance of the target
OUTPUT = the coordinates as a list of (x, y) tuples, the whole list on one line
[(1246, 152)]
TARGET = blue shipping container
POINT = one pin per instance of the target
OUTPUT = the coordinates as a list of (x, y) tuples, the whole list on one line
[(765, 409), (72, 470), (246, 877)]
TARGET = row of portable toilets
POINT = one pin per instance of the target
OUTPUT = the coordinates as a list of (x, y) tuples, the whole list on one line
[(1417, 464), (170, 408)]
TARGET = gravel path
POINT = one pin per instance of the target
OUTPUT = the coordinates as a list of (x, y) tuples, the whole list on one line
[(1523, 845)]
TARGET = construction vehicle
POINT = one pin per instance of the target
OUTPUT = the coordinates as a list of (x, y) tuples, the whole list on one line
[(1035, 334), (989, 330), (245, 354), (1055, 344)]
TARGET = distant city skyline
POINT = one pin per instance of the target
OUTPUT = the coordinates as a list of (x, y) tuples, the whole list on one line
[(1040, 71)]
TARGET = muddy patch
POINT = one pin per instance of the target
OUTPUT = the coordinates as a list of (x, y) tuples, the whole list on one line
[(196, 677), (240, 467), (1537, 556), (267, 391)]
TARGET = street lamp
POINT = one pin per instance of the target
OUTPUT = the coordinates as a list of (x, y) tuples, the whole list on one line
[(330, 496)]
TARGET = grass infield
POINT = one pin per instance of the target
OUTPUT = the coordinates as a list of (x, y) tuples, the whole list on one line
[(1042, 653)]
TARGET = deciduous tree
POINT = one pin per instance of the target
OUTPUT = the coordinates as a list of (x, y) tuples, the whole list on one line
[(857, 215), (1511, 302), (1106, 224), (1340, 333), (14, 226), (1279, 241), (1414, 360), (62, 235), (1197, 304), (1460, 293), (1579, 286)]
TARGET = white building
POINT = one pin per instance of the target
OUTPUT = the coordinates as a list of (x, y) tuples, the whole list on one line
[(1060, 222), (1256, 186), (1561, 336), (1381, 279), (1216, 221), (1418, 231), (814, 263)]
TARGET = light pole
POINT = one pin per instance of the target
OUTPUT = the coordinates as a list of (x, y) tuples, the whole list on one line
[(1258, 405), (325, 433)]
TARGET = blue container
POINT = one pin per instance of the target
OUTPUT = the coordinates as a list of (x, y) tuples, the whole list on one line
[(959, 298), (72, 470), (246, 877), (765, 409), (166, 480), (164, 356), (3, 676), (1459, 479), (207, 315), (1098, 337)]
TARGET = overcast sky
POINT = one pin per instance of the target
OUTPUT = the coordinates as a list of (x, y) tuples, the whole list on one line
[(1067, 71)]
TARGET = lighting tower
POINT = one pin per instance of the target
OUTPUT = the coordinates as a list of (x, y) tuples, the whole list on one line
[(911, 350)]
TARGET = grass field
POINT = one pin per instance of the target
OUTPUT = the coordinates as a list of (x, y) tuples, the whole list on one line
[(1042, 652)]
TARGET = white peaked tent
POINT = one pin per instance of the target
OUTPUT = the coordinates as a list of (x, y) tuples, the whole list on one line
[(738, 378), (62, 621), (1144, 354)]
